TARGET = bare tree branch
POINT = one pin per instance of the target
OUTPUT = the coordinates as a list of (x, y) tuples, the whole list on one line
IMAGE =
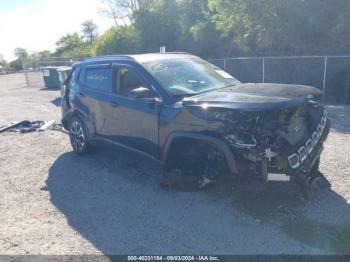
[(123, 10)]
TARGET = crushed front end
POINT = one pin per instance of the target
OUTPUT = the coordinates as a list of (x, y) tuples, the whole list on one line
[(277, 144)]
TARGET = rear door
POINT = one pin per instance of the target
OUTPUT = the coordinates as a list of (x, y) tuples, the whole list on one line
[(96, 96)]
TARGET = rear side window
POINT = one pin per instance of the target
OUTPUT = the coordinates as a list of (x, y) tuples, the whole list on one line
[(99, 79), (81, 78), (74, 76)]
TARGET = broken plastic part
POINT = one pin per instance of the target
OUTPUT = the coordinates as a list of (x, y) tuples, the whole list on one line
[(278, 177)]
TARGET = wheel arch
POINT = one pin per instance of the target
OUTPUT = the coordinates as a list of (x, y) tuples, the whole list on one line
[(75, 113), (174, 138)]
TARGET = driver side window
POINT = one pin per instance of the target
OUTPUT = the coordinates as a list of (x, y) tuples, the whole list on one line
[(130, 85), (127, 81)]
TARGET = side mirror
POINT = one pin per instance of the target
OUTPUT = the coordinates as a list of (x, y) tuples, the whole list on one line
[(139, 93), (142, 93)]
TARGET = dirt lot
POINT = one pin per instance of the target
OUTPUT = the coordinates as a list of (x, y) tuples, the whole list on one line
[(54, 202)]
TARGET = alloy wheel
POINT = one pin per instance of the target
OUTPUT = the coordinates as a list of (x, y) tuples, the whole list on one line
[(77, 136)]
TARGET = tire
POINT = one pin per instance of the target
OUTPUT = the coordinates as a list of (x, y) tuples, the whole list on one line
[(78, 136)]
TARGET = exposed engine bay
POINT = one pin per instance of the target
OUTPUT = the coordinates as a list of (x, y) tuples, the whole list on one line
[(277, 145), (273, 145), (274, 132)]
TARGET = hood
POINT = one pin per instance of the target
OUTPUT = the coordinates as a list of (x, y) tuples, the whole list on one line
[(255, 96)]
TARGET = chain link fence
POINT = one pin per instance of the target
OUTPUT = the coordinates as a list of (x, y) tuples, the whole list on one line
[(331, 74), (38, 64)]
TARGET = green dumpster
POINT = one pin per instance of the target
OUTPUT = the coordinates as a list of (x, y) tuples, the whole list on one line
[(55, 76)]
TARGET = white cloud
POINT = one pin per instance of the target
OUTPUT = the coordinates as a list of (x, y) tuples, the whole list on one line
[(40, 27)]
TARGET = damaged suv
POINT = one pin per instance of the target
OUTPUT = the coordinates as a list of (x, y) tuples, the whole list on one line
[(195, 118)]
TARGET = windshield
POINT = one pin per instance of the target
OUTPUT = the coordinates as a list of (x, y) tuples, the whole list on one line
[(189, 76)]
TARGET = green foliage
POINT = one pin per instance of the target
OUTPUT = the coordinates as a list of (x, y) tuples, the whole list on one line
[(158, 26), (75, 45), (46, 54), (71, 45), (21, 55), (284, 27), (218, 28), (119, 40), (211, 28), (15, 65), (89, 31)]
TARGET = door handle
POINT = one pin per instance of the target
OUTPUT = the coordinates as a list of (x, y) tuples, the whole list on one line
[(80, 94), (114, 104)]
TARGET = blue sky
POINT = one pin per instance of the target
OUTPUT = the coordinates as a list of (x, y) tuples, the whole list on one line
[(36, 25), (9, 5)]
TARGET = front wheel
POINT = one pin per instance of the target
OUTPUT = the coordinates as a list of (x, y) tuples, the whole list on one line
[(78, 136)]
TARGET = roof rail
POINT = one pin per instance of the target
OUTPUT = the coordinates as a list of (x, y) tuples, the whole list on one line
[(179, 52), (126, 57), (107, 57)]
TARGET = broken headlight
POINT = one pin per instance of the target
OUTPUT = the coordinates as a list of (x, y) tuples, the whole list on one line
[(296, 159)]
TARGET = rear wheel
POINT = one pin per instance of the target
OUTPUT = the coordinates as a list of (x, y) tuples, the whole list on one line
[(78, 136)]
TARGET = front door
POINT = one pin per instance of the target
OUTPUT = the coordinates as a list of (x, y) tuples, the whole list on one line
[(134, 122)]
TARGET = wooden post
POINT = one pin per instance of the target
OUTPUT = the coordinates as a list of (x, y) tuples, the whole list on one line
[(26, 77)]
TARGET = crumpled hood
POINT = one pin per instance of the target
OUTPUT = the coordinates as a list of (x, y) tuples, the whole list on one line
[(255, 96)]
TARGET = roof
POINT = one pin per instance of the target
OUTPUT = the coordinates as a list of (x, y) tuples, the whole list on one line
[(58, 68), (140, 58), (64, 68), (144, 58)]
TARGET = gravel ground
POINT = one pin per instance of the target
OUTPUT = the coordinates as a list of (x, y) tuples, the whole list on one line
[(55, 202)]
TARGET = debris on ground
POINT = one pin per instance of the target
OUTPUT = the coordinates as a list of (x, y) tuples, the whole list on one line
[(58, 127), (26, 126), (23, 126), (47, 125)]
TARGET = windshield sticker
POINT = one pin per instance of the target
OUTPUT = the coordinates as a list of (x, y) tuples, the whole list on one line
[(159, 67), (223, 74), (96, 77)]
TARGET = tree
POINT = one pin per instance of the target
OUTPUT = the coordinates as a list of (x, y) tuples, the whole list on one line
[(119, 40), (15, 65), (284, 27), (89, 31), (21, 53), (44, 54), (122, 11), (158, 26), (71, 45)]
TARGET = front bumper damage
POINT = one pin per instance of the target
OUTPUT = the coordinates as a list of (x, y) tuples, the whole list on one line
[(304, 153), (292, 162), (304, 163)]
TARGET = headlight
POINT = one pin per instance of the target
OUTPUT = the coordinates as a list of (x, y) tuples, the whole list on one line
[(319, 131), (302, 153), (309, 146), (314, 138), (294, 161)]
